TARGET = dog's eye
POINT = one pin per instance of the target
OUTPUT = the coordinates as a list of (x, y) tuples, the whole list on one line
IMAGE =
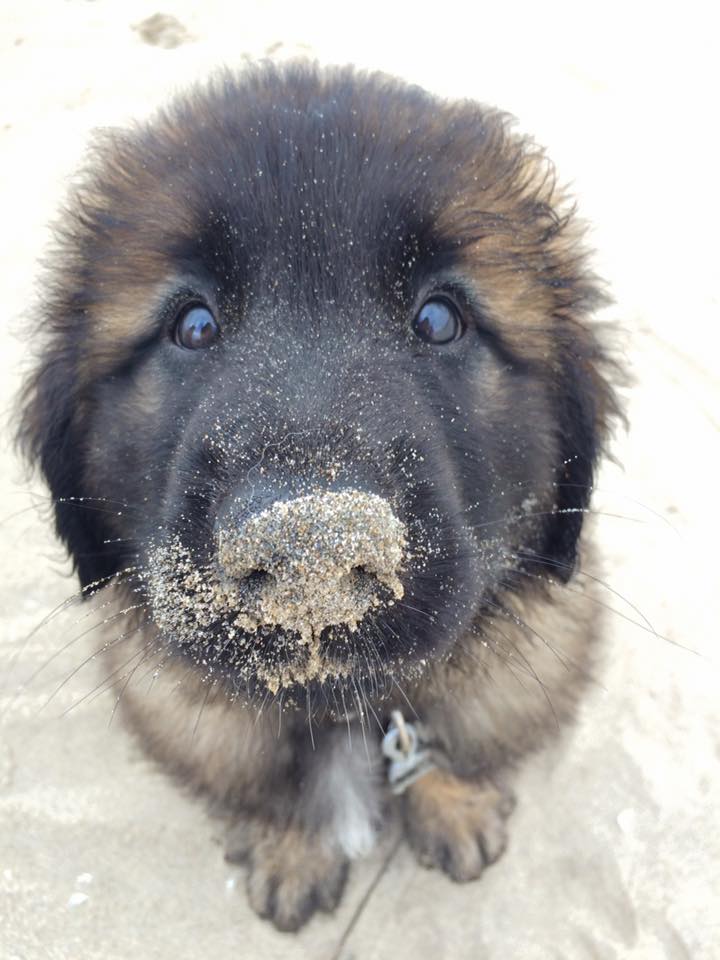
[(438, 321), (196, 328)]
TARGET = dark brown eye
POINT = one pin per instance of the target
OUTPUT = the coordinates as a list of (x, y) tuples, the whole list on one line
[(196, 328), (438, 321)]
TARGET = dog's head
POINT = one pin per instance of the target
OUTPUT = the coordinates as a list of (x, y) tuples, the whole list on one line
[(318, 373)]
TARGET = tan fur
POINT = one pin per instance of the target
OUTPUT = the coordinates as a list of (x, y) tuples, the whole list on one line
[(209, 742), (536, 668), (457, 825), (290, 873), (233, 185), (532, 674)]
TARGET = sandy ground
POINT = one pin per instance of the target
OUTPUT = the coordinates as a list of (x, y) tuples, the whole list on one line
[(616, 840)]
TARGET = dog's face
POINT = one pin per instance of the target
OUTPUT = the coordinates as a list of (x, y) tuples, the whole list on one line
[(318, 348)]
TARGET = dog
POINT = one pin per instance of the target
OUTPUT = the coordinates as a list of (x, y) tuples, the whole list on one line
[(319, 402)]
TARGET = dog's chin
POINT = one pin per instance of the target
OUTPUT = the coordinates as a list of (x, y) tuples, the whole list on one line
[(339, 673)]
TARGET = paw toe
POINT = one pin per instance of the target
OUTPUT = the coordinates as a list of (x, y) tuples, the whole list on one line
[(330, 887), (455, 825), (293, 875)]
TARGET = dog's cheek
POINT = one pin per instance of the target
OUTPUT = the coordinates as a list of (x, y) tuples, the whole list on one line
[(53, 436), (512, 452), (132, 443), (585, 401)]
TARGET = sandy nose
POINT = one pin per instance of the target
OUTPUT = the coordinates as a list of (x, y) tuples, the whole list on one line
[(314, 561)]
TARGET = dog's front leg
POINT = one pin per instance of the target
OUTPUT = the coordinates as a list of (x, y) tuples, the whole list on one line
[(320, 811)]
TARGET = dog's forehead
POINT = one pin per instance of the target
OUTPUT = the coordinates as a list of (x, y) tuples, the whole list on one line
[(328, 184), (304, 175), (304, 169), (322, 196)]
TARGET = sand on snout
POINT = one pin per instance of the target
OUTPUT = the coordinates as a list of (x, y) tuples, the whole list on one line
[(303, 565)]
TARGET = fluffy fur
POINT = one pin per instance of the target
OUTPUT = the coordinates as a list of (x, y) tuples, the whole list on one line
[(314, 212)]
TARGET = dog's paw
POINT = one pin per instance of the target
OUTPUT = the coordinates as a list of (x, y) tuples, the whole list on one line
[(456, 825), (291, 873)]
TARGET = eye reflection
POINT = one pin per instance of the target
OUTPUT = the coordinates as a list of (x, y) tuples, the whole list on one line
[(196, 328), (438, 321)]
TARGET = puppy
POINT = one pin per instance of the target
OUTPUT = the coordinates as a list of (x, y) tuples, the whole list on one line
[(316, 347)]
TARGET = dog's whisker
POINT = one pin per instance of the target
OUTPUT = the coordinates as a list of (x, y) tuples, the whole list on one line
[(154, 671), (210, 687), (532, 672), (511, 615), (617, 493), (59, 651), (404, 696), (553, 563), (511, 518), (589, 597), (108, 645), (81, 503), (49, 617), (108, 683), (359, 703), (372, 711), (506, 661), (308, 697), (409, 606), (144, 653)]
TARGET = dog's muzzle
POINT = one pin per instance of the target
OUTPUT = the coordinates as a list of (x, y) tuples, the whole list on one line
[(314, 561)]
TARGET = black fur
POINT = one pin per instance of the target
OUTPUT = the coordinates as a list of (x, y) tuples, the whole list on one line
[(314, 212)]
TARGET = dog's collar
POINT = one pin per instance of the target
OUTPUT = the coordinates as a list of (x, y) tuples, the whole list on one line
[(409, 751)]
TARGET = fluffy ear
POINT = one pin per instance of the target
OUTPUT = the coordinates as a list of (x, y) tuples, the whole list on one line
[(586, 406), (50, 436)]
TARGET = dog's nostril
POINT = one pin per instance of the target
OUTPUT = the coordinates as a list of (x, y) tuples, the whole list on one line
[(257, 578)]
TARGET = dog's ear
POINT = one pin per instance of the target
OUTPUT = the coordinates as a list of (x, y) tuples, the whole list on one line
[(586, 406), (50, 435)]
